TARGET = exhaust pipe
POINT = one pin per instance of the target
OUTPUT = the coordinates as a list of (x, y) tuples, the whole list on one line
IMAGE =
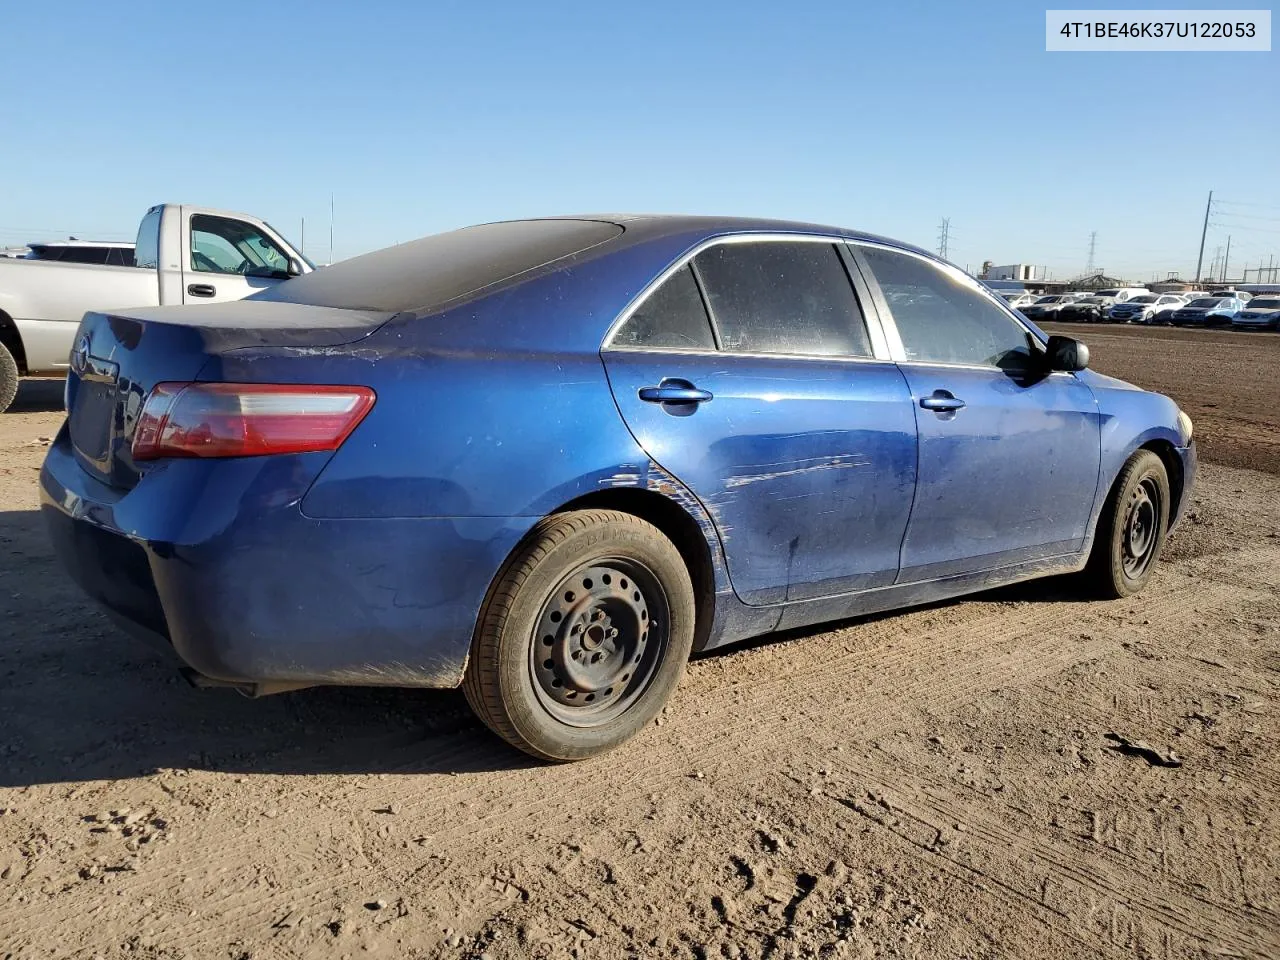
[(251, 690)]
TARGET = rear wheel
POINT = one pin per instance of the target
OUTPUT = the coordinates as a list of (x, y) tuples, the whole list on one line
[(8, 378), (584, 637), (1132, 528)]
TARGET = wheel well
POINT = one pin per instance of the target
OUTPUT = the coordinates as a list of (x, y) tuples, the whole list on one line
[(680, 528), (1173, 467), (12, 341)]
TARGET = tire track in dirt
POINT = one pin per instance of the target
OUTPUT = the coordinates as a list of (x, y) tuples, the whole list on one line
[(1025, 863)]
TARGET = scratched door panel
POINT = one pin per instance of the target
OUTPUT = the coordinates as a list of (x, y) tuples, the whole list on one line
[(1009, 477), (807, 466)]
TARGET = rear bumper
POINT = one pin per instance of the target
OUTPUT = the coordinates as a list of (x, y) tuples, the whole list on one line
[(215, 559)]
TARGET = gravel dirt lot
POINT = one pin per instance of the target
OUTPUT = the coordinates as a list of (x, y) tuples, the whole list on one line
[(939, 783)]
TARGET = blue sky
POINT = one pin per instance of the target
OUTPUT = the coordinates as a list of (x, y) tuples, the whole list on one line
[(420, 117)]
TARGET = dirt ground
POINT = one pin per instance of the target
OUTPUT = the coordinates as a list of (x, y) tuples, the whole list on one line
[(939, 783)]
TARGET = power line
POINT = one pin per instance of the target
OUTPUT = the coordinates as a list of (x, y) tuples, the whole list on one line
[(1251, 203)]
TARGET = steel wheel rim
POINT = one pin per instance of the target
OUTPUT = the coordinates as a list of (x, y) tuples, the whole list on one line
[(1141, 528), (601, 636)]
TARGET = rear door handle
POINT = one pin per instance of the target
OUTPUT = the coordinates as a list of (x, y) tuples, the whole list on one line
[(201, 289), (670, 393), (941, 401)]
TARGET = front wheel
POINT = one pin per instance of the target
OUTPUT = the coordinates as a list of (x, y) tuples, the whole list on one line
[(8, 378), (584, 637), (1132, 528)]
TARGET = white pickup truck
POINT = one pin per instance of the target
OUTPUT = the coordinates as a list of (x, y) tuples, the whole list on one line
[(183, 254)]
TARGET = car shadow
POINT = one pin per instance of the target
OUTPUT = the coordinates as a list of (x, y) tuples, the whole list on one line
[(38, 395), (81, 700)]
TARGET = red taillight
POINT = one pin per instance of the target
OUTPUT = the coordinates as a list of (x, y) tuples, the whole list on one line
[(246, 419)]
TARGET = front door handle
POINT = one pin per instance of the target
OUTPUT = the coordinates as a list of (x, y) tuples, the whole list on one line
[(941, 401), (201, 289), (668, 392)]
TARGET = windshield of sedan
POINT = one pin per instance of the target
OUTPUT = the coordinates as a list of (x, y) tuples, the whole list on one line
[(1144, 300), (1206, 302), (1265, 304), (1051, 299)]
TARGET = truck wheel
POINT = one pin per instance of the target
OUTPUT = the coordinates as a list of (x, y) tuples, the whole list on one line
[(1132, 528), (8, 378), (584, 636)]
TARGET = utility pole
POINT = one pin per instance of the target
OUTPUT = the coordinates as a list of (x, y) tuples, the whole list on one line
[(1093, 243), (331, 228), (1203, 231), (1271, 270), (944, 234), (302, 238), (1226, 259)]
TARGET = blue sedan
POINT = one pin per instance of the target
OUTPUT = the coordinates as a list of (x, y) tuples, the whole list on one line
[(546, 460)]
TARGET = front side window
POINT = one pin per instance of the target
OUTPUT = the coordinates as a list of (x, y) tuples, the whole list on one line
[(782, 296), (224, 245), (943, 320), (672, 317)]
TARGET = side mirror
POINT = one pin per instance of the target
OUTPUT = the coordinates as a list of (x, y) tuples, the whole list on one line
[(1066, 354), (295, 267)]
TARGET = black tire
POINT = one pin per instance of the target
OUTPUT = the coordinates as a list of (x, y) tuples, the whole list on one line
[(554, 679), (1132, 528), (8, 378)]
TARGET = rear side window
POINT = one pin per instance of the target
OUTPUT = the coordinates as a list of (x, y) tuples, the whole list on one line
[(673, 316), (146, 251), (779, 296), (942, 320)]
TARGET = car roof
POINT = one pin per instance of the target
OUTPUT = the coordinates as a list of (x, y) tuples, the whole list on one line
[(428, 274)]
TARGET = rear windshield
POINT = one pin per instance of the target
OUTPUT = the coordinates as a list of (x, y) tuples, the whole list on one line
[(1049, 299), (428, 273), (1143, 300), (1265, 304)]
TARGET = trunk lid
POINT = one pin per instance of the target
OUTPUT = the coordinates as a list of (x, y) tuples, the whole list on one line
[(116, 359)]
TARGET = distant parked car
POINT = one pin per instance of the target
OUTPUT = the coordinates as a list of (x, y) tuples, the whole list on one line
[(1045, 308), (1018, 299), (1213, 311), (105, 252), (438, 464), (1148, 308), (1260, 313), (1085, 310)]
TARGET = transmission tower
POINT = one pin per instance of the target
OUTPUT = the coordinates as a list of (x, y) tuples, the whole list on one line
[(1093, 244), (944, 233)]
